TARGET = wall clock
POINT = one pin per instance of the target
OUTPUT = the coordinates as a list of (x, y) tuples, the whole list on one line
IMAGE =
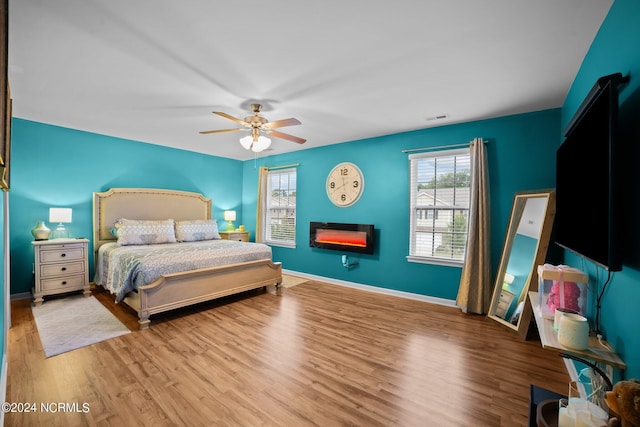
[(345, 184)]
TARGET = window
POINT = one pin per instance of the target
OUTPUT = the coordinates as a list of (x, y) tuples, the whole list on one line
[(280, 212), (439, 206)]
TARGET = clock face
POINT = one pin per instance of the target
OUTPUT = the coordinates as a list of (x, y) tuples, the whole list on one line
[(345, 184)]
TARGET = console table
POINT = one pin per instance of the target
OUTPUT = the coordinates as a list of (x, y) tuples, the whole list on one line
[(598, 350)]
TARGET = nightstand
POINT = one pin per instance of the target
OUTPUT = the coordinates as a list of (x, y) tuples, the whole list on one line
[(505, 302), (61, 266), (240, 236)]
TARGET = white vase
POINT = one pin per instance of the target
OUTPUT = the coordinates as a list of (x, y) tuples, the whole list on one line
[(40, 231), (573, 331)]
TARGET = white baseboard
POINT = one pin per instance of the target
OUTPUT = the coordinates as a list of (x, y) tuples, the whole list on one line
[(385, 291)]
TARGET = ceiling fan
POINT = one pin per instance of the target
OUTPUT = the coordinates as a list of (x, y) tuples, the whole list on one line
[(258, 125)]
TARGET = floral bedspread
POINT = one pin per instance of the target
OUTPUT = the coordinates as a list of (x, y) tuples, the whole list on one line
[(122, 269)]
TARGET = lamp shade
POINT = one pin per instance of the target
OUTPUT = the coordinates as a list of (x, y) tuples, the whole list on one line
[(261, 144), (229, 215), (255, 143), (508, 278), (246, 142), (60, 214)]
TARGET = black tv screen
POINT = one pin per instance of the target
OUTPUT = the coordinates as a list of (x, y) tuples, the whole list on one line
[(588, 175)]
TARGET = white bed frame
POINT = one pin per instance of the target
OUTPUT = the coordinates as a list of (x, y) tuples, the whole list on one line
[(181, 289)]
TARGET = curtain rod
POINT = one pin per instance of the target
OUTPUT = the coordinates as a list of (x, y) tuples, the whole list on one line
[(293, 165), (440, 147)]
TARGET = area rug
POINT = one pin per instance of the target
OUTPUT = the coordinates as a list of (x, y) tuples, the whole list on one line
[(291, 281), (73, 322)]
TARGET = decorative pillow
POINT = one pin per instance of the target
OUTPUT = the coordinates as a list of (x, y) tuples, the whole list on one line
[(113, 231), (145, 232), (197, 229)]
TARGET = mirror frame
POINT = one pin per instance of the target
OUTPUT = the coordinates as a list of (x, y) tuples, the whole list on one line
[(531, 282)]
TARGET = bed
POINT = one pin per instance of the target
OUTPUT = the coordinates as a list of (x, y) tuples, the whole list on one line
[(175, 289)]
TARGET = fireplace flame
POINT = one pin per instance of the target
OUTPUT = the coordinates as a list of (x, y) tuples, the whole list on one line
[(342, 237)]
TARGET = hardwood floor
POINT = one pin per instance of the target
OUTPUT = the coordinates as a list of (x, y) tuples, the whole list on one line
[(314, 354)]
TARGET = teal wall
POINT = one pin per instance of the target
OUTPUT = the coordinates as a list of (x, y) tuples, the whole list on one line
[(520, 148), (55, 166), (615, 49)]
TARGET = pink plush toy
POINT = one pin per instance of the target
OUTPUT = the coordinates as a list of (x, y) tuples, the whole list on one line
[(571, 296)]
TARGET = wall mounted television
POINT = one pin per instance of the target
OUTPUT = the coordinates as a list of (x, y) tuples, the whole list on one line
[(588, 178)]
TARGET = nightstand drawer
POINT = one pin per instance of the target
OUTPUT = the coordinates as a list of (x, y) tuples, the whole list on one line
[(71, 282), (59, 269), (240, 236), (506, 297), (63, 254)]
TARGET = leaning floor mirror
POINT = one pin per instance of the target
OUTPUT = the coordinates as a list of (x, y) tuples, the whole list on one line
[(525, 247)]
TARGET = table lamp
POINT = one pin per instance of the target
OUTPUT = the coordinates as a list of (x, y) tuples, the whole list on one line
[(508, 279), (61, 216), (230, 216)]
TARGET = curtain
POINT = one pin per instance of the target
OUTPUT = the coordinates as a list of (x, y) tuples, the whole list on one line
[(474, 293), (263, 175)]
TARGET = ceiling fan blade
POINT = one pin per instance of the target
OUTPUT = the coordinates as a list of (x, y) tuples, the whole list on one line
[(286, 136), (281, 123), (204, 132), (234, 119)]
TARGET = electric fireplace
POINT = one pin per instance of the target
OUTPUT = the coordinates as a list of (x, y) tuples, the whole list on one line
[(342, 237)]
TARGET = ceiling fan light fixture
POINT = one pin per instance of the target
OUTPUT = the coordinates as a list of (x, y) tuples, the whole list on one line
[(246, 142), (261, 144), (254, 144)]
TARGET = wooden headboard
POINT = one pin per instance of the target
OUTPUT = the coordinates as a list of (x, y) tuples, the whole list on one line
[(143, 203)]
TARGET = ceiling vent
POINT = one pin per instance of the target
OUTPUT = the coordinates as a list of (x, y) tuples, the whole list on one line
[(438, 117)]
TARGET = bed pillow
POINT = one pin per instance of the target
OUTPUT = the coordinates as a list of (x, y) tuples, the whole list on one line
[(145, 232), (196, 230)]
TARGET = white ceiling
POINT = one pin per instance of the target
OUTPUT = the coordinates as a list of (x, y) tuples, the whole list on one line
[(154, 70)]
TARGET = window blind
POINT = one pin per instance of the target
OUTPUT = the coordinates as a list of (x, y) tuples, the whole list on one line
[(439, 205), (280, 215)]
